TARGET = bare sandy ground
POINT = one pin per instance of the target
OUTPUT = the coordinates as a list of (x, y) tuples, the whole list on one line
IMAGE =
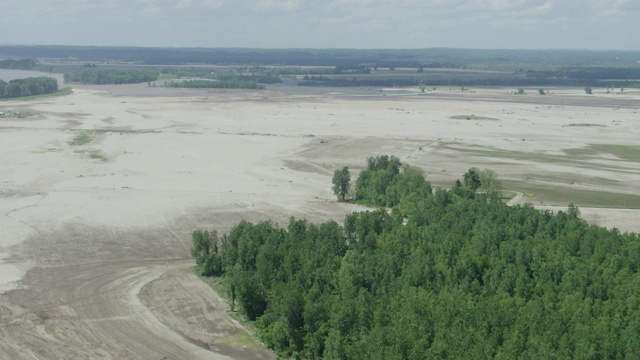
[(95, 238)]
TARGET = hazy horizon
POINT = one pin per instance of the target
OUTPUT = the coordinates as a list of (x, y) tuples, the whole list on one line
[(331, 24)]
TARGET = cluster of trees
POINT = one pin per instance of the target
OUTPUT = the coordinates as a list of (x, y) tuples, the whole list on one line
[(205, 250), (453, 274), (475, 180), (19, 64), (384, 182), (100, 76), (28, 87), (215, 84)]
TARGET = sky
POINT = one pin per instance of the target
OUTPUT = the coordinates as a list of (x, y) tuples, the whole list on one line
[(364, 24)]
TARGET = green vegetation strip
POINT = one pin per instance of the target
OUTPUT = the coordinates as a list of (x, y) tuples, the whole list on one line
[(240, 339), (621, 151), (504, 154), (82, 138), (573, 155), (90, 74), (472, 117), (61, 92), (566, 195), (49, 150), (97, 155), (28, 87)]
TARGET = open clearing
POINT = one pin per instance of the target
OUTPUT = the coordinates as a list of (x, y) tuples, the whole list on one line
[(99, 194)]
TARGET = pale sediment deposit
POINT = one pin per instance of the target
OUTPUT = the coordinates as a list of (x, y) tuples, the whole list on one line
[(99, 194)]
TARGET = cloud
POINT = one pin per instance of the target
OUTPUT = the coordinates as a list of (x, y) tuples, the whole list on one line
[(323, 23), (276, 4), (542, 9), (498, 4)]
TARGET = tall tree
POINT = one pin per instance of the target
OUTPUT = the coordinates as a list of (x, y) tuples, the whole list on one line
[(489, 182), (341, 183), (472, 178)]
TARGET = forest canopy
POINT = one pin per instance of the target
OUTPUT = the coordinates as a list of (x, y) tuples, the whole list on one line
[(17, 64), (28, 87), (442, 275), (100, 76)]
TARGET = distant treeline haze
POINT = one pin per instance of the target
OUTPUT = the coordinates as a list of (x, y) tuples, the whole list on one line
[(28, 87), (344, 67)]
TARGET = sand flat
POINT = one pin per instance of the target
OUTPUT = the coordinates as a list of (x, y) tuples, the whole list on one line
[(90, 229)]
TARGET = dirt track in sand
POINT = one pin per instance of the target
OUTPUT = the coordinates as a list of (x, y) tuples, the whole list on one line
[(94, 252)]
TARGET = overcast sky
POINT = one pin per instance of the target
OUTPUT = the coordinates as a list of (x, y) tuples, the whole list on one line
[(531, 24)]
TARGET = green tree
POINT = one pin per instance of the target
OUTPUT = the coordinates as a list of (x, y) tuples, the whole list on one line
[(341, 182), (205, 250), (422, 87), (489, 182), (202, 244), (472, 178), (28, 87)]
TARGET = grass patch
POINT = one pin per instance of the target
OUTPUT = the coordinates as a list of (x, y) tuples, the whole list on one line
[(51, 330), (239, 340), (49, 150), (621, 151), (93, 154), (163, 76), (507, 195), (574, 156), (97, 155), (17, 115), (506, 154), (242, 339), (82, 138), (560, 195), (586, 125), (471, 117)]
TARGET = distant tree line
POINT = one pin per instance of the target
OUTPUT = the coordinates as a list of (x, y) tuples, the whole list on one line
[(100, 76), (393, 81), (590, 72), (456, 274), (214, 84), (20, 64), (28, 87), (293, 70), (262, 78), (490, 59)]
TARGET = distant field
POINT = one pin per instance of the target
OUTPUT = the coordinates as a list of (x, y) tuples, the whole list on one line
[(557, 187), (565, 195)]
